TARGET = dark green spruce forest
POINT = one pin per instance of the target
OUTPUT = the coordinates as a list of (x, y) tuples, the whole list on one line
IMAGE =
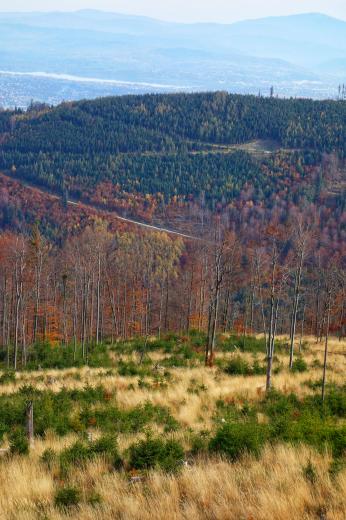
[(175, 145)]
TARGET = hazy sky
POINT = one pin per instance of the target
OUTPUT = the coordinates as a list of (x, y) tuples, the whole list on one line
[(188, 10)]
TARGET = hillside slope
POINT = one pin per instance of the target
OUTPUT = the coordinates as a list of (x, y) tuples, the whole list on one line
[(141, 156), (170, 144)]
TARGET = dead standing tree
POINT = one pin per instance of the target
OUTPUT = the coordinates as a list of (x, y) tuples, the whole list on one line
[(30, 422), (332, 283), (272, 314), (278, 280), (19, 271), (300, 247), (37, 255), (223, 252), (258, 265)]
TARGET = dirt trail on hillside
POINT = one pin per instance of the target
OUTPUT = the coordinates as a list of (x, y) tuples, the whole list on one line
[(102, 211)]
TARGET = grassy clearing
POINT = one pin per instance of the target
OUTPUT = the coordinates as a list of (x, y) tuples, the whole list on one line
[(152, 432)]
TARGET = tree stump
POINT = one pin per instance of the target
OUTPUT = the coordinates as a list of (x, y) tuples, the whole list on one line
[(30, 422)]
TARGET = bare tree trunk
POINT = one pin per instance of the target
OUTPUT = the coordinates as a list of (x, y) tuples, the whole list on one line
[(111, 300), (30, 422), (270, 343), (75, 313), (85, 296), (246, 312), (202, 293), (295, 305), (64, 313), (207, 346), (98, 298), (4, 311), (342, 318), (38, 271), (189, 307), (91, 320), (302, 329), (317, 309), (252, 304), (226, 305), (19, 295), (166, 303), (160, 312), (214, 305), (324, 378), (214, 328), (271, 337), (86, 316), (24, 346), (125, 310), (8, 332), (261, 300)]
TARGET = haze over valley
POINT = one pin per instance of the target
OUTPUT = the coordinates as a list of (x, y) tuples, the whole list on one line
[(51, 57)]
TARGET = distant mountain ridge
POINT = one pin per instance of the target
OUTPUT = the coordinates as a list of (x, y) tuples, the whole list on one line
[(300, 55)]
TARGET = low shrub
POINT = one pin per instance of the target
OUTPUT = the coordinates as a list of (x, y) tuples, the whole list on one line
[(156, 453), (248, 344), (45, 355), (226, 412), (335, 401), (49, 457), (176, 361), (336, 466), (235, 439), (130, 368), (196, 387), (67, 497), (239, 366), (308, 420), (299, 365), (107, 446), (259, 370), (337, 441), (314, 385), (316, 363), (200, 443), (75, 454), (18, 441), (3, 430), (197, 338), (165, 344), (80, 452), (94, 499), (9, 376), (309, 472), (112, 419)]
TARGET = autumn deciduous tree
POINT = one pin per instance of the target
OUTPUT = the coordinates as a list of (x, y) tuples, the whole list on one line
[(100, 285)]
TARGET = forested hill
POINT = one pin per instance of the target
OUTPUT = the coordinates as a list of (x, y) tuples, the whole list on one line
[(169, 122), (175, 145)]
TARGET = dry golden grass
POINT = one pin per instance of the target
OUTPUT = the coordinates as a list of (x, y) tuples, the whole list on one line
[(192, 409), (271, 488)]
